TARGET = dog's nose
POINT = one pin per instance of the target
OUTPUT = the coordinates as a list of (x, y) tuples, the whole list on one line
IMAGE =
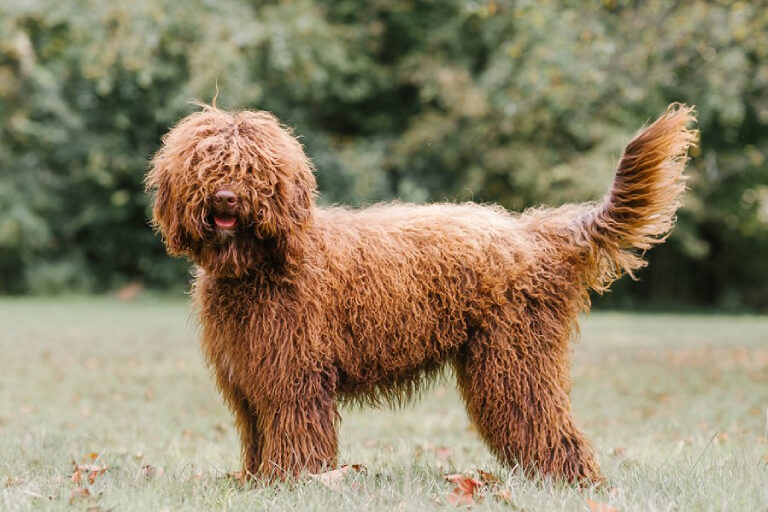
[(226, 197)]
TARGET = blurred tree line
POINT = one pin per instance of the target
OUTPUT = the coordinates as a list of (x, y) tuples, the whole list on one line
[(516, 102)]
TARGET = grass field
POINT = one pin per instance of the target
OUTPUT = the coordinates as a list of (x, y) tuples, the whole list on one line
[(675, 405)]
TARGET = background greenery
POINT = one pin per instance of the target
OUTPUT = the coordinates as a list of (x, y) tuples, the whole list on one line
[(515, 102)]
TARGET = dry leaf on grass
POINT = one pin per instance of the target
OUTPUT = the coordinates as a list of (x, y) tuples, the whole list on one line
[(466, 489), (10, 482), (151, 471), (334, 478), (469, 491), (488, 478), (90, 471), (596, 506)]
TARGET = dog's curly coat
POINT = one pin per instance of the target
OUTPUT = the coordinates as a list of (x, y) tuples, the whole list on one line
[(303, 306)]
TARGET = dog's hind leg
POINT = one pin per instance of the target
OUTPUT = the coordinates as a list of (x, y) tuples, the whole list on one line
[(516, 392)]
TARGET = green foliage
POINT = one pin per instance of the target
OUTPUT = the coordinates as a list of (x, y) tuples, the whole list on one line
[(519, 103)]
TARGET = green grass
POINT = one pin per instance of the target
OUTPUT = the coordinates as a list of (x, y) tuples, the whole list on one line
[(675, 405)]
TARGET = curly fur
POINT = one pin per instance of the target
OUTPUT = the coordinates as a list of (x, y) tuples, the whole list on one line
[(302, 307)]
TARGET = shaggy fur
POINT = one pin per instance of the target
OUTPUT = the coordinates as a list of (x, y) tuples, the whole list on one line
[(302, 307)]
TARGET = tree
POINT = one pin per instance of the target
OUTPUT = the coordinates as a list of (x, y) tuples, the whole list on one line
[(520, 103)]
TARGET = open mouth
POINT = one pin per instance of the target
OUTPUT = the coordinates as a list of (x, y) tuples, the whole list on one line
[(226, 222)]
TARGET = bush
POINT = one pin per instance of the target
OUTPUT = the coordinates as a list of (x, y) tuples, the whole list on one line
[(512, 102)]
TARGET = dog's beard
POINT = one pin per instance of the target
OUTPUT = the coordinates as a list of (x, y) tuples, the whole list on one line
[(245, 248), (235, 253), (221, 237)]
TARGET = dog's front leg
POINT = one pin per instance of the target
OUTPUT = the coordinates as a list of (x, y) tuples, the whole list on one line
[(298, 435), (250, 438), (245, 422)]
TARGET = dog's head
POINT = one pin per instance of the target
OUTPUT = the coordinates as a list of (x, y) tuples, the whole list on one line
[(233, 191)]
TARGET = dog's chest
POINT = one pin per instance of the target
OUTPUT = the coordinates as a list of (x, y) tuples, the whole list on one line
[(225, 313), (244, 328)]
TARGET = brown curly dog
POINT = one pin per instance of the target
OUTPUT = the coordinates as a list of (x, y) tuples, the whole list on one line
[(304, 306)]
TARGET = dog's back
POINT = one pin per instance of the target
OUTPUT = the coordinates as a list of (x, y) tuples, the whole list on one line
[(401, 276)]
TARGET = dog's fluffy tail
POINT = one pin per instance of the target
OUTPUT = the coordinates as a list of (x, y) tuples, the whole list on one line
[(639, 211)]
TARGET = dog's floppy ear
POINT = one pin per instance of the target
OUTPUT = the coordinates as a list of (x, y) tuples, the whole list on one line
[(166, 213), (294, 196), (285, 186)]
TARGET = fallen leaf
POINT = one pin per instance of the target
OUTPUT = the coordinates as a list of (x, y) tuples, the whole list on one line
[(93, 475), (333, 478), (10, 482), (92, 456), (465, 491), (596, 506), (488, 478), (443, 452), (458, 498), (80, 493), (151, 471), (91, 471)]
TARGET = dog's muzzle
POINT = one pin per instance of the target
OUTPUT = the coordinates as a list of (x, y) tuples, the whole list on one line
[(225, 205)]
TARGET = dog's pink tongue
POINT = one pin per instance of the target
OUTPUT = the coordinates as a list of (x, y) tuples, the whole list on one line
[(225, 222)]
